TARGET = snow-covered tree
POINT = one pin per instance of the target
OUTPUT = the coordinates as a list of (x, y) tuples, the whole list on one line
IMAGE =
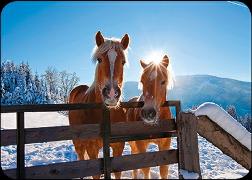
[(51, 80), (232, 111), (67, 81), (20, 86)]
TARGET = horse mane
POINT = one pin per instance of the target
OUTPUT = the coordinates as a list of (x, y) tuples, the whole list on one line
[(170, 74), (109, 43)]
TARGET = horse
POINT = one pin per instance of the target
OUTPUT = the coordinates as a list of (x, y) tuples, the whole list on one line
[(110, 55), (155, 79)]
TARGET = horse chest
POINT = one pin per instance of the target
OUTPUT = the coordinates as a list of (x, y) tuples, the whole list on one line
[(95, 116)]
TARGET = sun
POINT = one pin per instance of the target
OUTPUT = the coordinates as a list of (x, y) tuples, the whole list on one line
[(154, 56)]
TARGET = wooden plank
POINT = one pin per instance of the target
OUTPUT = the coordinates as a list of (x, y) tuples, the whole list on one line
[(88, 131), (8, 137), (141, 160), (188, 143), (47, 134), (139, 127), (224, 141), (49, 107), (64, 170), (137, 137), (20, 146), (67, 107), (106, 136), (85, 168)]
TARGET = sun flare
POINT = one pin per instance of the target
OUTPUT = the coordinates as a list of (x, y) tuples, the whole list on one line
[(154, 56)]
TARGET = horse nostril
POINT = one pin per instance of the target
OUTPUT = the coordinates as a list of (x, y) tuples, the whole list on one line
[(117, 93), (152, 113), (143, 113), (105, 91)]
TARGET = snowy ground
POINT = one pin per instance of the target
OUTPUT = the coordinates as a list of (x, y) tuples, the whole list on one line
[(214, 164)]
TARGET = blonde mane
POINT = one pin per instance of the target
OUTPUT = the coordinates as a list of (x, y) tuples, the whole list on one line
[(170, 75), (110, 43)]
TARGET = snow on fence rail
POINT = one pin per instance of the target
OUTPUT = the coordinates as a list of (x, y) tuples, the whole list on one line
[(222, 130), (119, 132)]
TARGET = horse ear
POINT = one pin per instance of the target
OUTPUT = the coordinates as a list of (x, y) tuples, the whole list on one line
[(143, 64), (99, 38), (125, 41), (165, 61)]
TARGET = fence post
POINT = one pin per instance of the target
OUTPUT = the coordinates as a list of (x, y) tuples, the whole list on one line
[(20, 146), (188, 143), (106, 137)]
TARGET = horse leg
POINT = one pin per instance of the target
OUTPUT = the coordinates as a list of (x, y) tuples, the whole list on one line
[(142, 146), (165, 144), (79, 148), (92, 152), (117, 151), (134, 150)]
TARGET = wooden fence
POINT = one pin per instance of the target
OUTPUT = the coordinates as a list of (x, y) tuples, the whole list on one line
[(110, 132), (184, 126)]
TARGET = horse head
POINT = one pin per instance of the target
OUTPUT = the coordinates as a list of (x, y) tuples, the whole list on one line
[(154, 80), (110, 55)]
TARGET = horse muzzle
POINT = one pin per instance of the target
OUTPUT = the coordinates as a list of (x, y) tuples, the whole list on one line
[(111, 95), (149, 116)]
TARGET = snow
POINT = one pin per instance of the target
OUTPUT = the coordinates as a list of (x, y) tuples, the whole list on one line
[(188, 175), (213, 163), (34, 120), (226, 121)]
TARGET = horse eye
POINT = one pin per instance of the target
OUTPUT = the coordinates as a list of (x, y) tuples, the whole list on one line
[(163, 82), (99, 60)]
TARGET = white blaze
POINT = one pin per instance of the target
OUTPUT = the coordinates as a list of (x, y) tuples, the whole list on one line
[(112, 57), (153, 75)]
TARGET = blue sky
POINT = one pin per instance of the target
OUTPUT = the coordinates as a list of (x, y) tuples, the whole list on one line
[(199, 37)]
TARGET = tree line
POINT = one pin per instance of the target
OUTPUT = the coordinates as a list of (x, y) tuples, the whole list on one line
[(19, 85), (245, 120)]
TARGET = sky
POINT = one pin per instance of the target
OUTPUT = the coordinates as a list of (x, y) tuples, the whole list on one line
[(199, 37)]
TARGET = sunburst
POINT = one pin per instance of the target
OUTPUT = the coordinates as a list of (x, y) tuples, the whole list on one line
[(154, 56)]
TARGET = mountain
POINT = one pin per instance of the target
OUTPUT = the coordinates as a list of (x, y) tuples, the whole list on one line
[(193, 90)]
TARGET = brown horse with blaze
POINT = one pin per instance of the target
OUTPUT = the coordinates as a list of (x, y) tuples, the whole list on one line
[(154, 79), (110, 55)]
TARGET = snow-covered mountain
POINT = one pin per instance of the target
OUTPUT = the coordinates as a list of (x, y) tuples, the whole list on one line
[(194, 90)]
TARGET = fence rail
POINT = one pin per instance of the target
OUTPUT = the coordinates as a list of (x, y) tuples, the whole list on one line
[(78, 106), (224, 141), (95, 166), (119, 132)]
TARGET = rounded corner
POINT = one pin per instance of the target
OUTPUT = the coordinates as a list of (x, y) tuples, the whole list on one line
[(243, 3), (6, 4)]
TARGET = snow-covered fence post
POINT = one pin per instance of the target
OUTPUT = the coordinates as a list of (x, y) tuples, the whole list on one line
[(188, 146)]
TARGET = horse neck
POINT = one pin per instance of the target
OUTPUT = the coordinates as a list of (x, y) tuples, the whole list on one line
[(91, 94)]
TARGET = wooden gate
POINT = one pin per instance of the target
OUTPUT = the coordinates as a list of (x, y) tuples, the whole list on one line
[(184, 128)]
